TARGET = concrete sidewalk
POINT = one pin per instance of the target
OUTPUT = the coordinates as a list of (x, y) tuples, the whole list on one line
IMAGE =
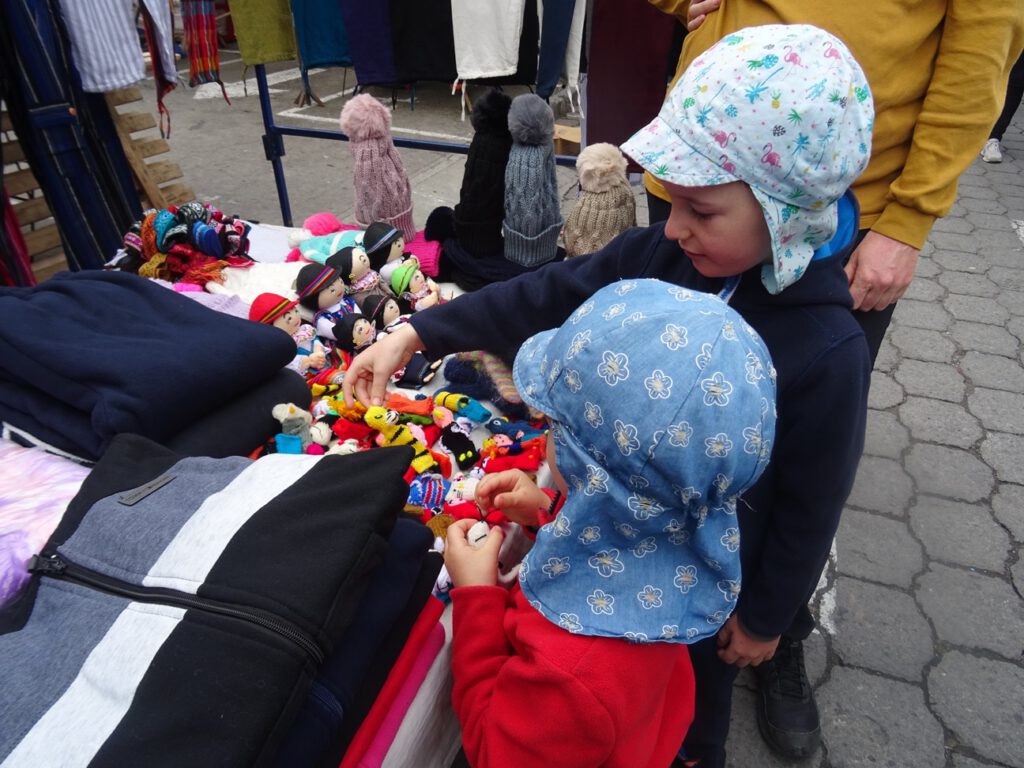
[(918, 663)]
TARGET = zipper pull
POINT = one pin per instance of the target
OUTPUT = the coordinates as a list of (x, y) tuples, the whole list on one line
[(51, 566)]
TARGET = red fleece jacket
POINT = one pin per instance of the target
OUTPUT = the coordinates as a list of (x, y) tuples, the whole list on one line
[(528, 693)]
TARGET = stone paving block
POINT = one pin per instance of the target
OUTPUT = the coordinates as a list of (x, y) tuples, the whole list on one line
[(935, 421), (921, 344), (999, 249), (979, 190), (998, 410), (988, 220), (946, 241), (1008, 278), (1017, 572), (881, 486), (977, 309), (962, 761), (1014, 303), (972, 610), (877, 548), (981, 700), (745, 748), (926, 266), (885, 436), (924, 289), (984, 338), (944, 471), (967, 283), (884, 392), (965, 534), (1002, 452), (960, 226), (869, 721), (1016, 327), (881, 629), (922, 314), (993, 371), (1008, 507), (888, 357), (936, 380), (957, 260)]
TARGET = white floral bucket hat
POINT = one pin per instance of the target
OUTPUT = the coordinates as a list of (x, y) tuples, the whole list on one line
[(656, 442), (786, 109)]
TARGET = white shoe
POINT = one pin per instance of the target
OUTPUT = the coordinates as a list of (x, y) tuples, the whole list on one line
[(992, 152)]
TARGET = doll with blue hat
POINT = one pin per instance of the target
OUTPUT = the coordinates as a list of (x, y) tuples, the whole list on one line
[(661, 402)]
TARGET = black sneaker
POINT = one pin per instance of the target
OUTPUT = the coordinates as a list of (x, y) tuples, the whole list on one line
[(786, 713)]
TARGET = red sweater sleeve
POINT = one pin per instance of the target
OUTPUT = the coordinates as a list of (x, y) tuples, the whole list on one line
[(499, 696)]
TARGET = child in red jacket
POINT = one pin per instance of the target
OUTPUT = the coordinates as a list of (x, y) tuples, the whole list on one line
[(584, 662)]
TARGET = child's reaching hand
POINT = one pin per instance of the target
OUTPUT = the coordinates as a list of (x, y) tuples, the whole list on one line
[(472, 566), (513, 493)]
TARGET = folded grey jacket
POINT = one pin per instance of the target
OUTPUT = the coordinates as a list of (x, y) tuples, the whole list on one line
[(183, 606)]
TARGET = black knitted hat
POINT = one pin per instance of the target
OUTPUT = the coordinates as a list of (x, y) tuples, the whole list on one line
[(481, 207)]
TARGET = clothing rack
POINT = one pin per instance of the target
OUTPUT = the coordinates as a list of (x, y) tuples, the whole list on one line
[(273, 143)]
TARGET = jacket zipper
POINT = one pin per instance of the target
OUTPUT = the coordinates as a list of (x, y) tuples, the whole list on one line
[(58, 567)]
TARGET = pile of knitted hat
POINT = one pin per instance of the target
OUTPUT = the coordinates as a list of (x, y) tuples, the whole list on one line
[(188, 243)]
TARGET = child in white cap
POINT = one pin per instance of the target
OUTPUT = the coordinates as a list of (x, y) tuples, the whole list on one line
[(661, 402), (757, 144)]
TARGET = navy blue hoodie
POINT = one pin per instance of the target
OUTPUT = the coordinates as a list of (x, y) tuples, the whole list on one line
[(789, 518)]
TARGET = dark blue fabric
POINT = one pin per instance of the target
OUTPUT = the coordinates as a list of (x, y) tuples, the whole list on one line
[(69, 144), (370, 41), (790, 516), (554, 40), (87, 355), (316, 728), (422, 40), (321, 34)]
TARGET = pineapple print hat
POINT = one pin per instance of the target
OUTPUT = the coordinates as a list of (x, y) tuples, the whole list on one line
[(662, 409), (784, 108)]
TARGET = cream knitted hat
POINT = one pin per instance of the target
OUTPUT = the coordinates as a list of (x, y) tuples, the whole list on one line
[(605, 207), (382, 190)]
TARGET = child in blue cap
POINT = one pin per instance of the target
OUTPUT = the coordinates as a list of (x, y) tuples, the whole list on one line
[(757, 146), (662, 409)]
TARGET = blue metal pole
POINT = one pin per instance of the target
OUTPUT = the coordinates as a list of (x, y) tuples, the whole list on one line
[(273, 144)]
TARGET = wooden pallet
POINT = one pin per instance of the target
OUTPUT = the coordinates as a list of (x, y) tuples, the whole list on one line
[(159, 182)]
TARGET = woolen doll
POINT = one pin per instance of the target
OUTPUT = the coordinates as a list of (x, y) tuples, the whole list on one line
[(322, 291), (272, 309)]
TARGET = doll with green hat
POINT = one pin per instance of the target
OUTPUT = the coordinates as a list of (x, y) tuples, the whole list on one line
[(409, 284)]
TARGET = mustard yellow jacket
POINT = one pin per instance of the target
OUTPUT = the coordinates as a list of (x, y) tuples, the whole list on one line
[(938, 71)]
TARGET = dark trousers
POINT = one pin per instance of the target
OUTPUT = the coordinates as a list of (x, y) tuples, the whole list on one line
[(874, 323), (1014, 92)]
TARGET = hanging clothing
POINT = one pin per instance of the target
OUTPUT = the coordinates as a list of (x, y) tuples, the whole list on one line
[(321, 32), (105, 43), (574, 52), (556, 23), (372, 53), (264, 29), (412, 22), (15, 264), (200, 22), (486, 35)]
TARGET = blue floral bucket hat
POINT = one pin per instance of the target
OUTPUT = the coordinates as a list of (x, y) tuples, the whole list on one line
[(786, 109), (656, 441)]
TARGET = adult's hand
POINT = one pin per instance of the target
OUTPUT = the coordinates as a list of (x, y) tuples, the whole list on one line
[(736, 646), (880, 271), (699, 11), (368, 374)]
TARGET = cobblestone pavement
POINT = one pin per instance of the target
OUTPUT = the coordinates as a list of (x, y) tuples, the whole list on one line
[(918, 662), (919, 659)]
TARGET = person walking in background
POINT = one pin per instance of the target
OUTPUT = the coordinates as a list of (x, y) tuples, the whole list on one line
[(992, 152), (937, 71)]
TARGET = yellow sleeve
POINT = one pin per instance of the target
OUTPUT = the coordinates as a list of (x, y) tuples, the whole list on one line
[(675, 8), (980, 42)]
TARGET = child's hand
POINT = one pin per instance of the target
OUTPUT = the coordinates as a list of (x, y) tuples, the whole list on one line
[(735, 646), (514, 493), (469, 566), (316, 359)]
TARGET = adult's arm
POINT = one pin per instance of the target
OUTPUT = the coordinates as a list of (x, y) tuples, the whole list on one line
[(514, 712), (812, 482)]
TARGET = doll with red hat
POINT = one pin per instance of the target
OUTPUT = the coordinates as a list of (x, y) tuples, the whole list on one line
[(273, 309)]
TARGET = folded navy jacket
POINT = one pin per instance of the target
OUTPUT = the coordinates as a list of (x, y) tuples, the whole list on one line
[(87, 355)]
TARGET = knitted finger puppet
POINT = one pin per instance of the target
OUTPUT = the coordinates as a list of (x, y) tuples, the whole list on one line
[(605, 207), (517, 430), (533, 217), (462, 405), (409, 283), (387, 423), (276, 310), (382, 191), (294, 422), (322, 291), (353, 265), (481, 208), (456, 441), (383, 243)]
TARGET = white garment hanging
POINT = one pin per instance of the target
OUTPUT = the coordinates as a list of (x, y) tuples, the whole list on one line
[(487, 36), (105, 43), (572, 53)]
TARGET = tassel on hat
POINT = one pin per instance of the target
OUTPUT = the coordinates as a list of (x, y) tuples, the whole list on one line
[(533, 218), (382, 190), (606, 206)]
